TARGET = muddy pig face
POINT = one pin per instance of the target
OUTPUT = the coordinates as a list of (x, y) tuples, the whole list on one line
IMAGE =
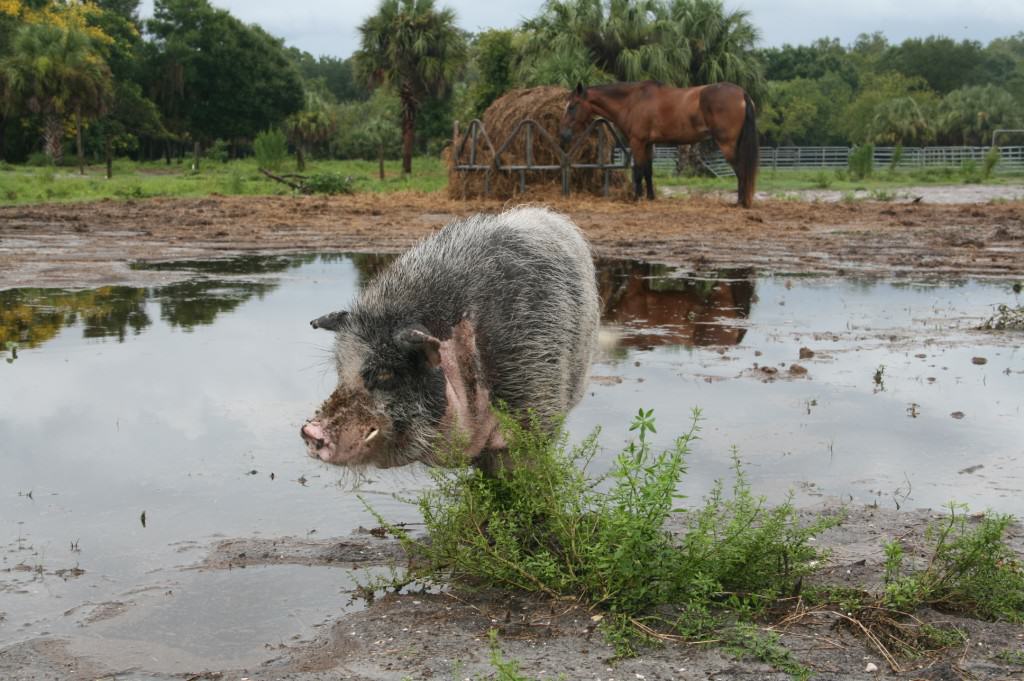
[(389, 399)]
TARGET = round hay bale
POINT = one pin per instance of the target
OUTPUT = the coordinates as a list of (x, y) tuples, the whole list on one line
[(544, 105)]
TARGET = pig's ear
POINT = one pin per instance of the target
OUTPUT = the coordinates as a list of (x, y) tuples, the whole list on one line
[(331, 321), (418, 340)]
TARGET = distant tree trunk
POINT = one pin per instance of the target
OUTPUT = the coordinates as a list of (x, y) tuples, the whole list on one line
[(109, 157), (78, 140), (380, 158), (3, 131), (167, 152), (300, 158), (408, 132), (53, 137), (195, 157)]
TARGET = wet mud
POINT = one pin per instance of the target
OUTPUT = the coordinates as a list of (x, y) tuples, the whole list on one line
[(218, 610), (90, 244), (428, 633)]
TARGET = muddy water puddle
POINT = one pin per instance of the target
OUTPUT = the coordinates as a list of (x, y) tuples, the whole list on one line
[(140, 426)]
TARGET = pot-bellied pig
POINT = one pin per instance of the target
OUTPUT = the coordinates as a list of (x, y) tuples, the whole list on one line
[(491, 310)]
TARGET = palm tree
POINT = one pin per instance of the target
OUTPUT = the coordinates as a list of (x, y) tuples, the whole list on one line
[(414, 48), (313, 125), (721, 44), (57, 71), (899, 121), (602, 40), (971, 113)]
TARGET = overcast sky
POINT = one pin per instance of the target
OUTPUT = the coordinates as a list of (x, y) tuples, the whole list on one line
[(329, 26)]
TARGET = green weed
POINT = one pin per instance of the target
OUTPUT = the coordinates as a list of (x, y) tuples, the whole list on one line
[(989, 163), (822, 180), (971, 570), (1014, 657), (271, 149), (541, 525), (862, 162), (747, 640)]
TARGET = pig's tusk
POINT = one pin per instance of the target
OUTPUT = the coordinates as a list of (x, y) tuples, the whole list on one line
[(373, 434)]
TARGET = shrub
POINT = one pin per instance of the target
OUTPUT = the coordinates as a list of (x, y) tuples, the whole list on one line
[(862, 161), (218, 151), (989, 164), (39, 159), (971, 570), (271, 149), (969, 171), (542, 525), (821, 180), (328, 183), (897, 156)]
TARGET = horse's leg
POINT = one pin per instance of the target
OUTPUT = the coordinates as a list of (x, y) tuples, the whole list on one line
[(637, 181), (649, 172), (728, 146), (640, 159)]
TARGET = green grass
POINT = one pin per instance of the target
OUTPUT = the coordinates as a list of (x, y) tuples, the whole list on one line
[(24, 184)]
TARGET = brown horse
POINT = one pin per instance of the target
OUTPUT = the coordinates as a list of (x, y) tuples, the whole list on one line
[(650, 112)]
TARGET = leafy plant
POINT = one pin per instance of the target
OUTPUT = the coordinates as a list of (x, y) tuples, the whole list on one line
[(897, 156), (992, 157), (822, 180), (328, 183), (270, 148), (969, 171), (971, 570), (542, 525), (218, 151), (862, 161)]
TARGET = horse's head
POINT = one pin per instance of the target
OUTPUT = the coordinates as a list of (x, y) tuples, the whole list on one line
[(577, 114)]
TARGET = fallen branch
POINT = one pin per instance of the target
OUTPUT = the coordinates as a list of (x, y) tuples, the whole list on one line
[(299, 186)]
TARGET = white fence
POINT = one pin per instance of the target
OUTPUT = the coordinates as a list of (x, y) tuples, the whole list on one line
[(1011, 159)]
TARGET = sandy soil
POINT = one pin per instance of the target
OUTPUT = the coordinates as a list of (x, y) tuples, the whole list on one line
[(90, 244)]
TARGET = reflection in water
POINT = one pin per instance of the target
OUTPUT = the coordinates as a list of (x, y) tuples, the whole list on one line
[(651, 303), (30, 317), (657, 307), (197, 303), (369, 265), (245, 265), (654, 305)]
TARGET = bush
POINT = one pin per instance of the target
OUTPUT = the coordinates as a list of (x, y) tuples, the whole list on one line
[(991, 159), (39, 159), (821, 180), (328, 183), (897, 156), (218, 151), (271, 149), (541, 525), (971, 570), (969, 172), (862, 161)]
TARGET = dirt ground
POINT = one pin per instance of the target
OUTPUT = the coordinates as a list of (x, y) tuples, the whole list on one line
[(444, 635), (76, 245)]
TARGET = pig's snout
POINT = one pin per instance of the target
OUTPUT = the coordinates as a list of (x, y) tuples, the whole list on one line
[(353, 444), (315, 438)]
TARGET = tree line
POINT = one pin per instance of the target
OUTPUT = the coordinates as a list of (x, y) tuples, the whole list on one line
[(96, 78)]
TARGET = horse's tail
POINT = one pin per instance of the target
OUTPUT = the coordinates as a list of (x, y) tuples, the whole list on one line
[(748, 151)]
